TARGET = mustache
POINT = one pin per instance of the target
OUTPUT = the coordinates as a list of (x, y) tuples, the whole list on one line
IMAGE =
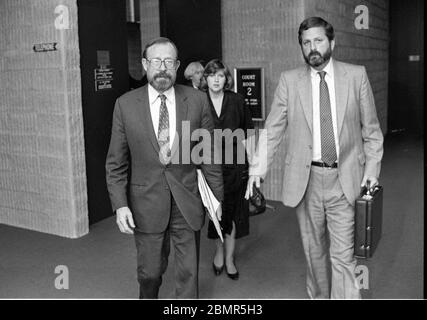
[(162, 74), (314, 53)]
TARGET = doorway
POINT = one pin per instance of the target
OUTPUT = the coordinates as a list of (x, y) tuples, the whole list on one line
[(406, 77), (195, 28), (104, 76)]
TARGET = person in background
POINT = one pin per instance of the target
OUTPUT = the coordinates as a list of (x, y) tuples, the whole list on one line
[(229, 113), (333, 147), (193, 73)]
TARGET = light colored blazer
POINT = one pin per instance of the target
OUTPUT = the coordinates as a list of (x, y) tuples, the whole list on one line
[(291, 115), (136, 178)]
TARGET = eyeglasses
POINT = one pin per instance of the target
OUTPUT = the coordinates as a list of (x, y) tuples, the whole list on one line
[(157, 63)]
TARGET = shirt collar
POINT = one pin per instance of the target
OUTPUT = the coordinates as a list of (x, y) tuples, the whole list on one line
[(153, 94), (329, 69)]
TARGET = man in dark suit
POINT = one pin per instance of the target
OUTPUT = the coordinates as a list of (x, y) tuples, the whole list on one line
[(154, 193), (333, 146)]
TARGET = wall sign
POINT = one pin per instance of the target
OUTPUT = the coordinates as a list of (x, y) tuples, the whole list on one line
[(45, 47), (249, 82), (103, 78), (103, 74)]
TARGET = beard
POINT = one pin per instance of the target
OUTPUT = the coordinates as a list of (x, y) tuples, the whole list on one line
[(162, 81), (316, 59)]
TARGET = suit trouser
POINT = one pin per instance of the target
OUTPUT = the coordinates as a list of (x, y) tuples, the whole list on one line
[(324, 211), (153, 252)]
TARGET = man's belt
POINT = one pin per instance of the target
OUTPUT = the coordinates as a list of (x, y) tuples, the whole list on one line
[(324, 165)]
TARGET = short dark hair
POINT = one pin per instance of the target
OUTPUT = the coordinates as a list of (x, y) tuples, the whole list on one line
[(213, 67), (313, 22), (159, 40)]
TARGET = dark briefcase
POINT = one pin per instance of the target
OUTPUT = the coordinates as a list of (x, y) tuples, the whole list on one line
[(368, 222)]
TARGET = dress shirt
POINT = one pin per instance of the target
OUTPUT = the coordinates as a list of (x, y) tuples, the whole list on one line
[(315, 83)]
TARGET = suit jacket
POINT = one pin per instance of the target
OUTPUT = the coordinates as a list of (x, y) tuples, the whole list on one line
[(136, 177), (359, 133)]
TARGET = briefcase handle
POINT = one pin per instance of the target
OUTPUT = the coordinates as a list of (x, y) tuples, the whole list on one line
[(368, 191)]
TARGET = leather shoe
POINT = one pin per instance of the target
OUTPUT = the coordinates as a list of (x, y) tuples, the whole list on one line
[(232, 276), (217, 270)]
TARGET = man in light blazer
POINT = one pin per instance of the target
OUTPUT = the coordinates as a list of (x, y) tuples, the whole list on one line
[(333, 147), (151, 178)]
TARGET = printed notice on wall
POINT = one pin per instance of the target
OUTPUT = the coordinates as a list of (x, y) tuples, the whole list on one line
[(103, 78), (103, 74), (249, 82)]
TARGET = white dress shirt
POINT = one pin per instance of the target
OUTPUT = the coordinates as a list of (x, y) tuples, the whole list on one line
[(315, 83), (154, 99)]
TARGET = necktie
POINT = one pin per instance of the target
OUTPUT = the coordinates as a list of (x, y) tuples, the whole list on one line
[(163, 131), (329, 153)]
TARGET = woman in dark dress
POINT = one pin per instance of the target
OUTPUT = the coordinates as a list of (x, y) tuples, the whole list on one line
[(229, 112)]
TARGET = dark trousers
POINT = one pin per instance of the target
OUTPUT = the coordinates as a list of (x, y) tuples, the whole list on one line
[(153, 252)]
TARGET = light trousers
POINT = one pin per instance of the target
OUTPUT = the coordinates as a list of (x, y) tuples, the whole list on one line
[(326, 221)]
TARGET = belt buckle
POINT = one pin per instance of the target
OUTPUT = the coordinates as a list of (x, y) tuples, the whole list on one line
[(334, 165)]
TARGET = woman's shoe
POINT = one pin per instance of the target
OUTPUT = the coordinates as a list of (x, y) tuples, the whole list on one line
[(217, 270), (232, 276)]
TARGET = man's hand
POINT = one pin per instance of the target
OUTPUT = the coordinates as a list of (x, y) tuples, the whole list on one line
[(373, 181), (124, 220), (249, 188)]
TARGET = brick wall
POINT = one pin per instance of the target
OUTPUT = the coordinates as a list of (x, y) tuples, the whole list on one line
[(42, 165)]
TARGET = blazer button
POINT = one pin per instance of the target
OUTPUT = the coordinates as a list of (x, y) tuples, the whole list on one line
[(310, 147)]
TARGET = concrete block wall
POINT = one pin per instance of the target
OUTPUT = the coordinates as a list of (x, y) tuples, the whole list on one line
[(42, 159)]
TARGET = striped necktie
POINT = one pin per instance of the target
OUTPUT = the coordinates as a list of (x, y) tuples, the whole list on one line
[(329, 153), (163, 135)]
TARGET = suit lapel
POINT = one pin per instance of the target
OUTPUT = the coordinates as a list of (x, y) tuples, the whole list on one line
[(341, 93), (305, 93), (181, 115), (146, 119)]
